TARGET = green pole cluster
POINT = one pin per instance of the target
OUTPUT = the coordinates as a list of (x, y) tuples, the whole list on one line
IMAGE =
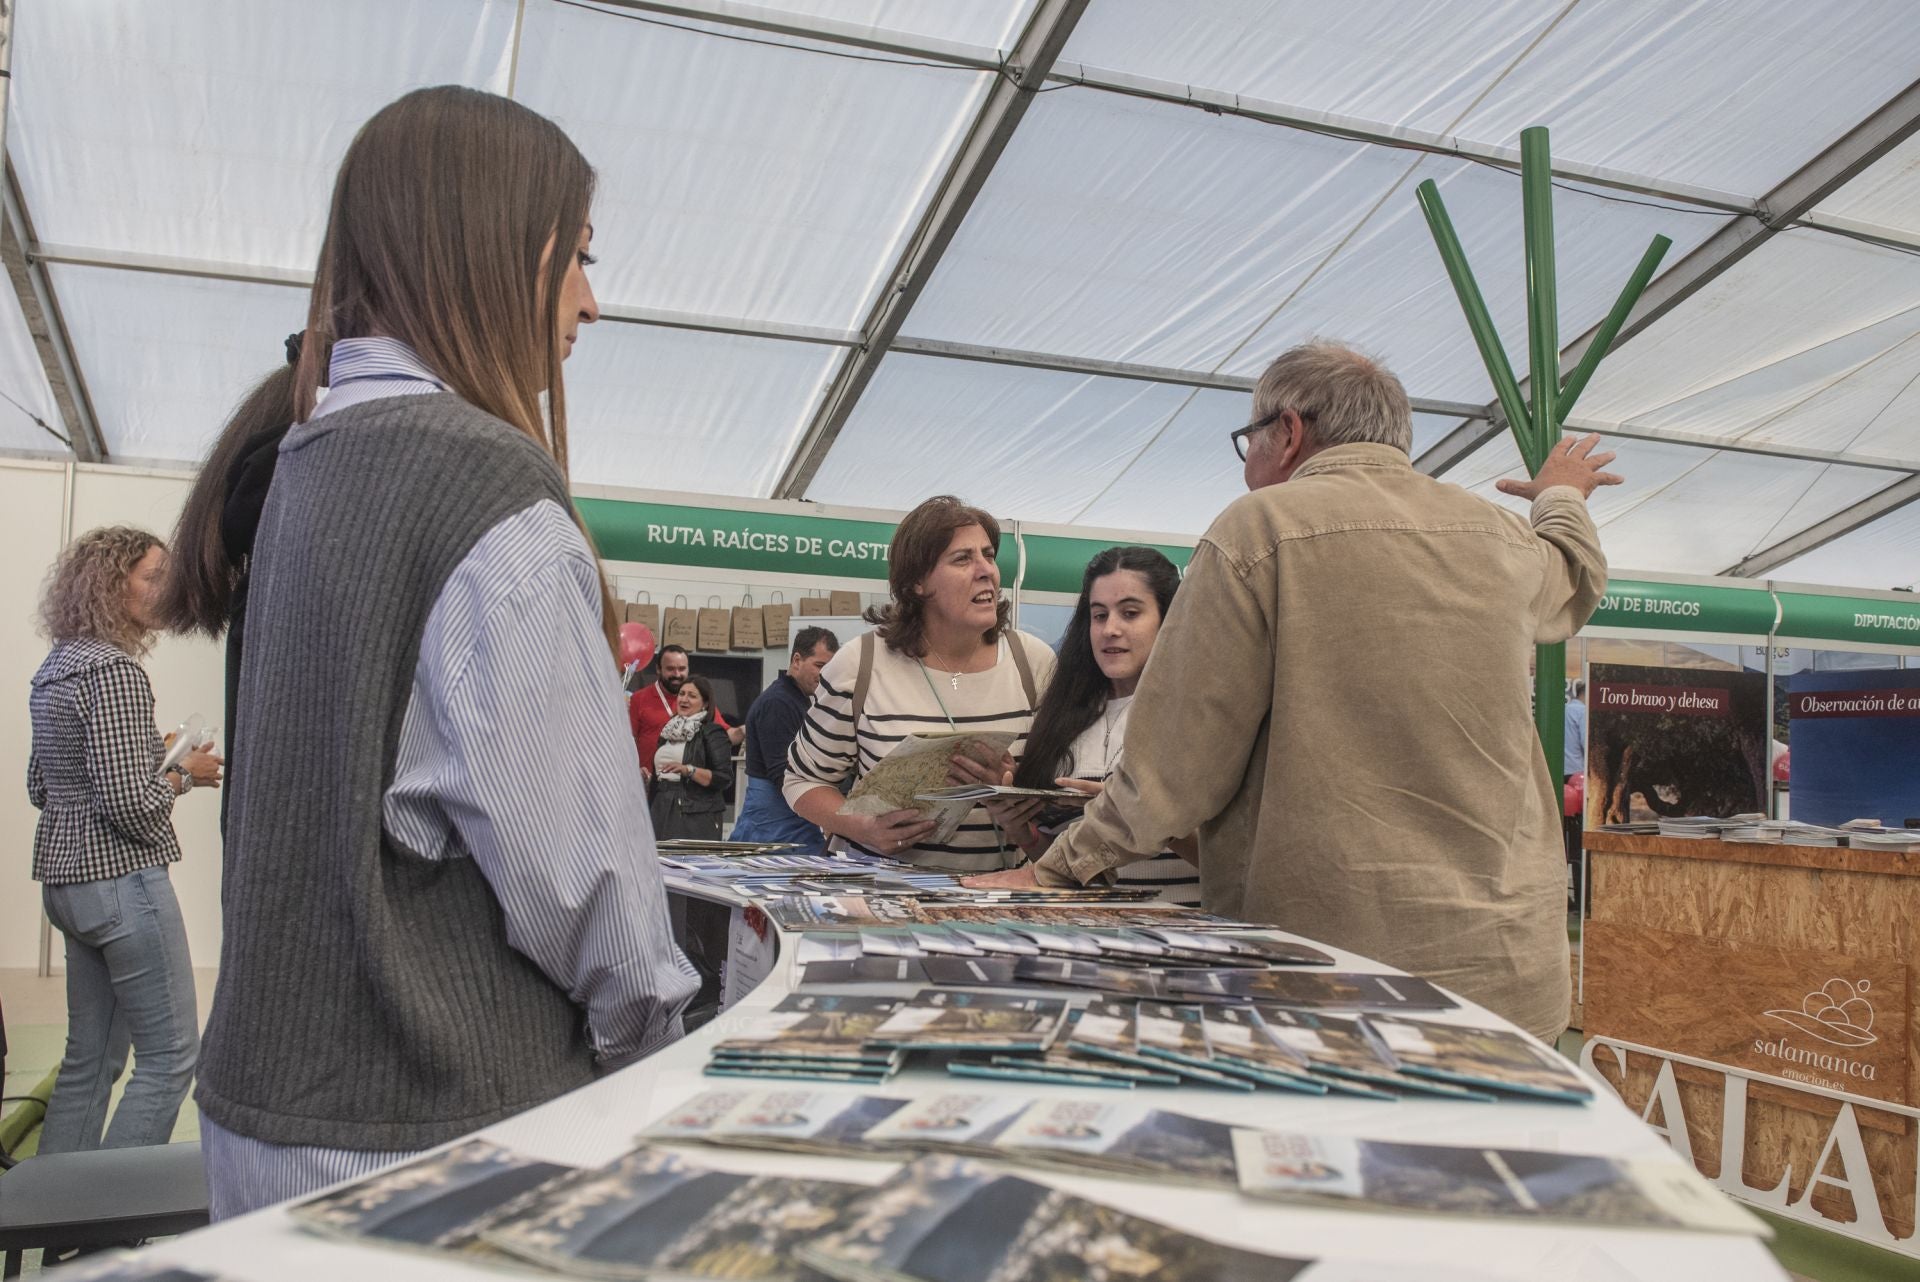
[(1537, 417)]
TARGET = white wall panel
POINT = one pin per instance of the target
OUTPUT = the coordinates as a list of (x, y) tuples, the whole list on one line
[(1882, 554), (1728, 96), (1027, 443), (1144, 232), (742, 180), (213, 131), (168, 357), (673, 409), (1416, 63), (24, 393)]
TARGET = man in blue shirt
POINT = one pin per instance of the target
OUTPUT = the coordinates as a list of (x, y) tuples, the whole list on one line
[(1573, 758), (772, 723)]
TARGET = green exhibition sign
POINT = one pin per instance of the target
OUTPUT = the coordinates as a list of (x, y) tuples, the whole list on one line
[(1057, 564), (737, 539), (1870, 621), (1684, 607)]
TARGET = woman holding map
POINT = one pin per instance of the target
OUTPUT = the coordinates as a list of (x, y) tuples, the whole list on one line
[(940, 660)]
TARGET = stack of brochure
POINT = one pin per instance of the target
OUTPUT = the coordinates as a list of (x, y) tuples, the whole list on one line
[(1527, 1184), (812, 1037), (795, 1121)]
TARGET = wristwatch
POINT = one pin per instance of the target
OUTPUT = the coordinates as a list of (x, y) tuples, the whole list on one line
[(185, 777)]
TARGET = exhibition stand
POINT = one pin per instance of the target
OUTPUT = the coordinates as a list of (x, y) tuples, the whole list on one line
[(598, 1122)]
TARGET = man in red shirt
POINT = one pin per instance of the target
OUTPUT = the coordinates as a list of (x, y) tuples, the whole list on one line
[(651, 707)]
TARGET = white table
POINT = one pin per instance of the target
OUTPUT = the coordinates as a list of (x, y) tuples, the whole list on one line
[(598, 1122)]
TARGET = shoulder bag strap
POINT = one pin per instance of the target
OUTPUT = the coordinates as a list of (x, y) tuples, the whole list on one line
[(1019, 653)]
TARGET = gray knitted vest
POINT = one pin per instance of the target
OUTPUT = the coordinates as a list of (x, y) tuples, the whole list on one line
[(368, 998)]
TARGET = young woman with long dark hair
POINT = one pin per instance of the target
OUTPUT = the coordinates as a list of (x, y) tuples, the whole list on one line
[(1080, 727), (425, 930)]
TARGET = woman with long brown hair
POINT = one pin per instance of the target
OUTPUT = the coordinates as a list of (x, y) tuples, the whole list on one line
[(942, 658), (424, 930), (103, 843)]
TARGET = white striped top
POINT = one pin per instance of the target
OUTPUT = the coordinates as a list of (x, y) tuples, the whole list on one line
[(905, 699), (512, 661)]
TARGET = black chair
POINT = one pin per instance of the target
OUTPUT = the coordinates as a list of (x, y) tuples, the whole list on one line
[(101, 1198)]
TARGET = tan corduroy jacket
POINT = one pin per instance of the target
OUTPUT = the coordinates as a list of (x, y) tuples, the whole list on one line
[(1339, 704)]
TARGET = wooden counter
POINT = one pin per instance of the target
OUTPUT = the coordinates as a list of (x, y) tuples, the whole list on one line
[(1795, 962)]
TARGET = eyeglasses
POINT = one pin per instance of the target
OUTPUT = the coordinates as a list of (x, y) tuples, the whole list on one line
[(1242, 436)]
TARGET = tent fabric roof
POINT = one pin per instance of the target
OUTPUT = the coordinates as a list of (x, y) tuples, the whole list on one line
[(1196, 185)]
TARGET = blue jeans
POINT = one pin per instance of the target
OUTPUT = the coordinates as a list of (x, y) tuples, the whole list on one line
[(766, 816), (129, 983)]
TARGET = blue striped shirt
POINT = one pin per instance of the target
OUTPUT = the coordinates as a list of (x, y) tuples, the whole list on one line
[(512, 661)]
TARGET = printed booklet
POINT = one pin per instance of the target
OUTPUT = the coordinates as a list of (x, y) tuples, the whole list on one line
[(653, 1215), (1481, 1058), (1122, 1138), (1364, 1174), (1346, 1054), (1314, 989), (439, 1202), (797, 1121), (952, 1122), (937, 1020)]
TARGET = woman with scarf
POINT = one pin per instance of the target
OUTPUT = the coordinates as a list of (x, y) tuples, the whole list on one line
[(692, 769)]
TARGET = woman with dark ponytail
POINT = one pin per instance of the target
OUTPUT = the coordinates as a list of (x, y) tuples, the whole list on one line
[(205, 588), (1080, 727), (424, 930)]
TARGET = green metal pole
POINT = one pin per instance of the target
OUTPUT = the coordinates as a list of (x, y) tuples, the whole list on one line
[(1543, 314), (1543, 349), (1603, 338), (1485, 336)]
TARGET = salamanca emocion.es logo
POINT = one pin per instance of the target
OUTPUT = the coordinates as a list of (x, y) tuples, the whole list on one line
[(1837, 1013)]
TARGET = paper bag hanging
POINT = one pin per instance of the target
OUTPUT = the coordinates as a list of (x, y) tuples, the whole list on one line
[(715, 626), (816, 605), (846, 603), (645, 612), (749, 626), (681, 625), (778, 618)]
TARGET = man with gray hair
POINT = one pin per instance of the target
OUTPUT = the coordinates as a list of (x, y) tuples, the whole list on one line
[(1339, 700)]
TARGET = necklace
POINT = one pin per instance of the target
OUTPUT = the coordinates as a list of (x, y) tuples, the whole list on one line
[(953, 674)]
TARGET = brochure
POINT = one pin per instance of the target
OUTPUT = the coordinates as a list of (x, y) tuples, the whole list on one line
[(816, 1026), (869, 970), (946, 1219), (939, 1020), (1481, 1058), (1125, 1138), (1334, 991), (1349, 1056), (798, 913), (950, 1122), (920, 764), (1531, 1184), (789, 1120), (693, 1120), (1242, 1045), (971, 972), (651, 1215), (1226, 948), (977, 792), (439, 1202)]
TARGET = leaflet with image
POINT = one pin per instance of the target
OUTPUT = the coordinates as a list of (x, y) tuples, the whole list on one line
[(1244, 947), (1105, 1030), (1314, 989), (796, 913), (939, 1020), (1126, 1138), (1018, 1069), (1090, 975), (693, 1120), (1174, 1032), (949, 1122), (1065, 1057), (439, 1202), (816, 1026), (1349, 1056), (971, 972), (653, 1215), (1533, 1184), (945, 1219), (920, 764), (1240, 1041), (1480, 1057), (804, 1121), (989, 791)]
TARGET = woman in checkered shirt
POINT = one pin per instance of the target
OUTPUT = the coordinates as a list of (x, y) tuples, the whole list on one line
[(103, 844)]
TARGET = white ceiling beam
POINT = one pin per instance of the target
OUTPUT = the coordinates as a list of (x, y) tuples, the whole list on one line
[(1782, 207), (41, 306), (854, 35), (1006, 103), (1821, 533)]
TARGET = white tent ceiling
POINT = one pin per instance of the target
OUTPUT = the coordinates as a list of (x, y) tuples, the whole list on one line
[(849, 254)]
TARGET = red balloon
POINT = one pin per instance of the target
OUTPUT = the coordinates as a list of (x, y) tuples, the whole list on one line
[(636, 645)]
